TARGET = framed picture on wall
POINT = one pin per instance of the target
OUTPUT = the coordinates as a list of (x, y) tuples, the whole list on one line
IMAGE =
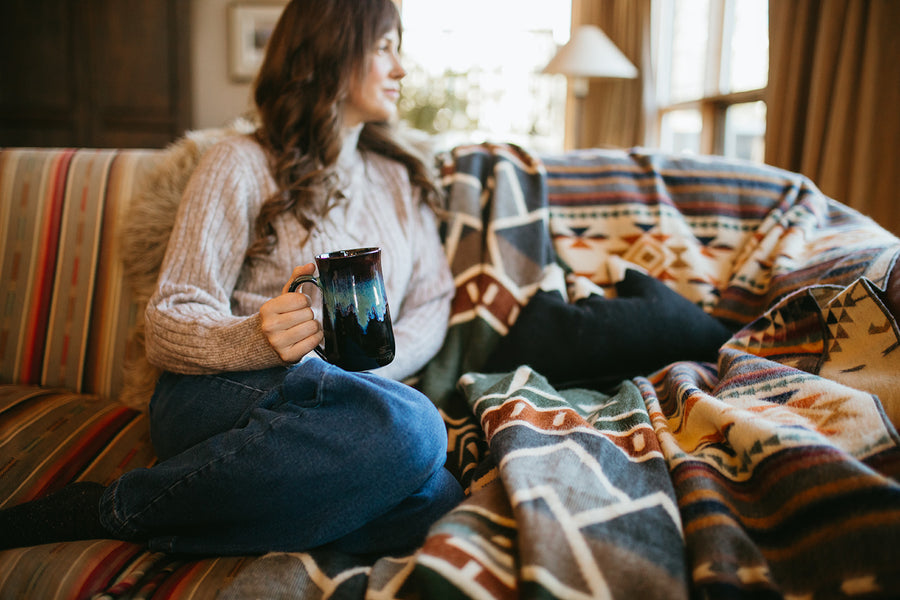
[(249, 26)]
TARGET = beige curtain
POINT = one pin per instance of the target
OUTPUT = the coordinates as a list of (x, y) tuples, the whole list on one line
[(834, 99), (615, 110)]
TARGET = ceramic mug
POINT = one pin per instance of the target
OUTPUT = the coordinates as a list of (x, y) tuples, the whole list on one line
[(356, 319)]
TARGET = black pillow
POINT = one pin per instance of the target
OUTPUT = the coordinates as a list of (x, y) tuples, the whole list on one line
[(596, 342)]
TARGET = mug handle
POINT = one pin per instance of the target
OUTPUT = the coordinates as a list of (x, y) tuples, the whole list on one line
[(293, 288)]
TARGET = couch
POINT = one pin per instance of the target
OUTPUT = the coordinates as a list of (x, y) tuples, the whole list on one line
[(769, 470)]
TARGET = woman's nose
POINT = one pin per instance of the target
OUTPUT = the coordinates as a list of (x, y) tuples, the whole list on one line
[(398, 72)]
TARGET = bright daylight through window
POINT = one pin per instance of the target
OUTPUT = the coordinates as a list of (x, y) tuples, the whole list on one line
[(473, 79), (479, 79), (713, 70)]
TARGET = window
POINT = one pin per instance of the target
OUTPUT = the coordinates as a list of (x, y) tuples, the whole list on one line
[(472, 79), (712, 74)]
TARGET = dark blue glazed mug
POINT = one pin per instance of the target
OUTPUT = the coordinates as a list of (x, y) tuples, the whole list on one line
[(356, 319)]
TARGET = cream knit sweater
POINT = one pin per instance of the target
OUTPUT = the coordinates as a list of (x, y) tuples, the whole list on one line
[(204, 315)]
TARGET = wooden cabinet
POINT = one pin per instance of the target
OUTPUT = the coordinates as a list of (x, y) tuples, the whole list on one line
[(94, 73)]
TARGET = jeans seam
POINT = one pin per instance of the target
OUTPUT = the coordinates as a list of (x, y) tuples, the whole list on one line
[(240, 384), (109, 505), (320, 385)]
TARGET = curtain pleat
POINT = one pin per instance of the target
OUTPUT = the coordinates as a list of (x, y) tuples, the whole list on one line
[(833, 97)]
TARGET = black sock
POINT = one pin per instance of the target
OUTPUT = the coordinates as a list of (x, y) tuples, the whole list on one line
[(596, 342), (72, 513)]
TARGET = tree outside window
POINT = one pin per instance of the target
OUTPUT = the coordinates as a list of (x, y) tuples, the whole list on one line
[(474, 71)]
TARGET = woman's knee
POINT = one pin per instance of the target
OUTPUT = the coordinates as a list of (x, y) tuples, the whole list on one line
[(375, 426), (409, 435), (421, 426), (413, 434)]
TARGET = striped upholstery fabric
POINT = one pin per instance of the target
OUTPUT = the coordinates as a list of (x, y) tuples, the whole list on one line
[(65, 312), (65, 316), (51, 437), (111, 569)]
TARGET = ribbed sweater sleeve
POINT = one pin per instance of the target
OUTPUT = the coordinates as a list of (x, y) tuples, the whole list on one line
[(190, 324)]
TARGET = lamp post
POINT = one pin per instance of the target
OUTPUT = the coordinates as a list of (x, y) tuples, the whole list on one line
[(589, 53)]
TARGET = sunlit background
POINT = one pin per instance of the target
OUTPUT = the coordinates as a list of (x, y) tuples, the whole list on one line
[(479, 79)]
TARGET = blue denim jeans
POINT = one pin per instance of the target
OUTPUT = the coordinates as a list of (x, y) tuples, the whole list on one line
[(286, 459)]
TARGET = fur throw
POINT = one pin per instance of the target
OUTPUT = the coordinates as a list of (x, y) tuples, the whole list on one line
[(144, 236)]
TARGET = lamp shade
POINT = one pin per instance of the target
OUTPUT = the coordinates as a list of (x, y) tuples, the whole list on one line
[(589, 53)]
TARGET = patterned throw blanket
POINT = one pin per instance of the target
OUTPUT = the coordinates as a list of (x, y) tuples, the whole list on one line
[(771, 474)]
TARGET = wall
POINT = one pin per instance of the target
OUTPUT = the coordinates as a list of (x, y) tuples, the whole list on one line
[(216, 98)]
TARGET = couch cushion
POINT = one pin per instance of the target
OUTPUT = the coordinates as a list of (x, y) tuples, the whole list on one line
[(65, 312), (113, 569), (53, 436)]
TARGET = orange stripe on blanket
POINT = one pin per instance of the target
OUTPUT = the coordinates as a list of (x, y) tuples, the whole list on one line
[(778, 469), (842, 527), (442, 555)]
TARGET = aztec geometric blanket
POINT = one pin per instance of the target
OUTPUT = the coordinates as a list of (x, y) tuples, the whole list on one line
[(774, 473)]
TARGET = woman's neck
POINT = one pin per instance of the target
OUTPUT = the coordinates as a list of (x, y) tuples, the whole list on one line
[(348, 156)]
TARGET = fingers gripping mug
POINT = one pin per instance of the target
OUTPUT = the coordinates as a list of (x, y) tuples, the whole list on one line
[(356, 319)]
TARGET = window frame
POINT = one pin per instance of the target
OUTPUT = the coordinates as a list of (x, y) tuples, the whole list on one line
[(713, 105)]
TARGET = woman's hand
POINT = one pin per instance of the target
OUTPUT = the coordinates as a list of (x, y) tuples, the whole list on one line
[(288, 322)]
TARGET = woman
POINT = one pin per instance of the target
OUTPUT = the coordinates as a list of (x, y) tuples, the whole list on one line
[(262, 445)]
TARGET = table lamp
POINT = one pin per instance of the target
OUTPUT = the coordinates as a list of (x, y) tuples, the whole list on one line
[(589, 53)]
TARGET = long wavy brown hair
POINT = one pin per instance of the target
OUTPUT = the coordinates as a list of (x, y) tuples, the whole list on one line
[(315, 50)]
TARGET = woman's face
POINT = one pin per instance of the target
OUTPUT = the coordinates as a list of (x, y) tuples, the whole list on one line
[(374, 93)]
